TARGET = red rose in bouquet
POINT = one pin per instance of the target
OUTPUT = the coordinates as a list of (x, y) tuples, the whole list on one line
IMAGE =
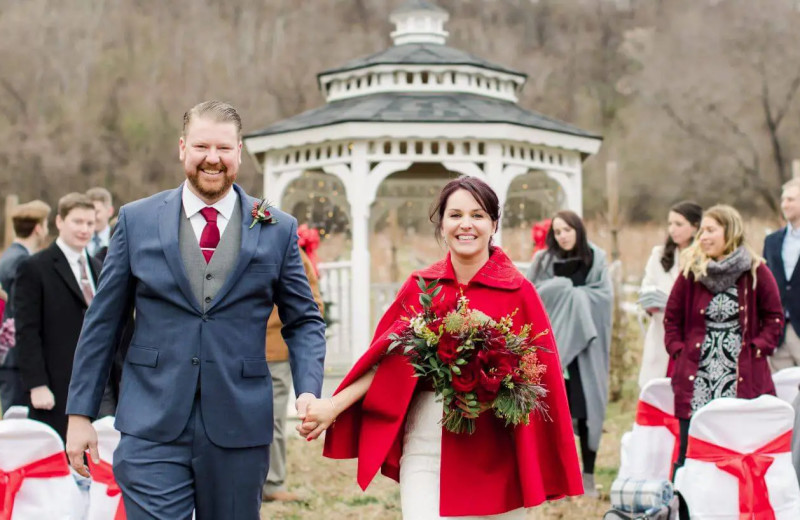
[(448, 344), (495, 366), (468, 379)]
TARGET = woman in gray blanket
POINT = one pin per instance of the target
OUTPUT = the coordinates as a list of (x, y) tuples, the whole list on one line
[(571, 277)]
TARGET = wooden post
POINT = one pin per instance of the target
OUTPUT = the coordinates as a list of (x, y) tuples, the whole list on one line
[(612, 192), (11, 202), (617, 369)]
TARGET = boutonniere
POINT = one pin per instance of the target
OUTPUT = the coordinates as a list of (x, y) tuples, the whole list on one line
[(261, 213)]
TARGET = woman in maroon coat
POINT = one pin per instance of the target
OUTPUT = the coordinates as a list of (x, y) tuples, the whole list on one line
[(391, 420), (723, 318)]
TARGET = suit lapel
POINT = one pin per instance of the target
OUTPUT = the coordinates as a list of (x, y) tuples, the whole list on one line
[(248, 248), (169, 216), (776, 252), (63, 269)]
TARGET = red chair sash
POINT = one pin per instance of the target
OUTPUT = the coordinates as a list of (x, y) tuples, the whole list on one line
[(103, 473), (11, 481), (649, 415), (748, 468)]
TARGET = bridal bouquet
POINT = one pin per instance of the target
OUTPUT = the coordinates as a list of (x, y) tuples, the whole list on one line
[(473, 362)]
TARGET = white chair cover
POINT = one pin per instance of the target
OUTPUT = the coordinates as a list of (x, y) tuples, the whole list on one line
[(24, 442), (16, 412), (786, 383), (646, 451), (743, 426), (103, 506)]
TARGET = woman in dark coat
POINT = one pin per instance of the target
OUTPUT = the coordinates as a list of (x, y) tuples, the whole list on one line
[(723, 318)]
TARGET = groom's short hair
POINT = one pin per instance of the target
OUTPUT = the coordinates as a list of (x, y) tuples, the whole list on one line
[(219, 111)]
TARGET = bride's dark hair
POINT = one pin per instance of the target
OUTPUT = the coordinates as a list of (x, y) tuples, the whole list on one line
[(482, 192)]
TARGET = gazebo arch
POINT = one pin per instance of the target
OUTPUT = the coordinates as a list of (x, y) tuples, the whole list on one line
[(418, 101)]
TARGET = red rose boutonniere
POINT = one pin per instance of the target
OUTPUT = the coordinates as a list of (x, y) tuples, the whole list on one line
[(261, 213)]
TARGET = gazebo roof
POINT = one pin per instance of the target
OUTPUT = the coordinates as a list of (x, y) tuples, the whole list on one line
[(397, 107), (420, 54)]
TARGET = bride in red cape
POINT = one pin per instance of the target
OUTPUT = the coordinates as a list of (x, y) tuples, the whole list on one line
[(389, 419)]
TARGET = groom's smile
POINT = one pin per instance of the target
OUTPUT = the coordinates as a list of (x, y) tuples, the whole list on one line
[(211, 152)]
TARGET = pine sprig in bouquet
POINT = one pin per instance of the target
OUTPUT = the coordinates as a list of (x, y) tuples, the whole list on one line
[(474, 362)]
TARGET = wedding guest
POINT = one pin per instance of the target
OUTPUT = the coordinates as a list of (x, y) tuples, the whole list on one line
[(104, 207), (571, 276), (54, 288), (723, 319), (29, 221), (505, 469), (781, 251), (281, 371), (660, 273)]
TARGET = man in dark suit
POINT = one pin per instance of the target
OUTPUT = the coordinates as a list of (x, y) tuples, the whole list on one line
[(53, 290), (30, 227), (202, 272), (782, 250), (104, 207)]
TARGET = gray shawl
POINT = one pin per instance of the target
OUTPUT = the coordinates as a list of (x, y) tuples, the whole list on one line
[(581, 318)]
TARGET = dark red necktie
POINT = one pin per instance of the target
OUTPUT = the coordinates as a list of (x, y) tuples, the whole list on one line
[(209, 239)]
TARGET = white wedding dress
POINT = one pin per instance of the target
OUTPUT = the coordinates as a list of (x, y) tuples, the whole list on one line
[(421, 462)]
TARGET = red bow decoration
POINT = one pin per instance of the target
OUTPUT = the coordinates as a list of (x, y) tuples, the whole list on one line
[(749, 468), (539, 234), (103, 473), (11, 481), (649, 415), (308, 240)]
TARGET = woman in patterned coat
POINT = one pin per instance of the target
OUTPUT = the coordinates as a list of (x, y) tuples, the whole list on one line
[(723, 318)]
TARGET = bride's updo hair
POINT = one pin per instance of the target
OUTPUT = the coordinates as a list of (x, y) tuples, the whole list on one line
[(482, 192)]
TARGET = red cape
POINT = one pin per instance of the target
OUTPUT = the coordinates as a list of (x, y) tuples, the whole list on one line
[(494, 470)]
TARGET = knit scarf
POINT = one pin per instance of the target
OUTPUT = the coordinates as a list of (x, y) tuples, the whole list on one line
[(724, 273)]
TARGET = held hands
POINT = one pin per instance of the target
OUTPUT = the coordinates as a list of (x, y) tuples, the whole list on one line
[(42, 398), (319, 415), (81, 436)]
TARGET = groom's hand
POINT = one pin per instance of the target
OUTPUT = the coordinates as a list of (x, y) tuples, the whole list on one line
[(81, 436), (301, 404)]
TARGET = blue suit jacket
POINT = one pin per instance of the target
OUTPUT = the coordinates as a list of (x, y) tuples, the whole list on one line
[(175, 342), (790, 289)]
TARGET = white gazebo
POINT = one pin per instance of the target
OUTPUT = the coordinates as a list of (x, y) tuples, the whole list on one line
[(417, 102)]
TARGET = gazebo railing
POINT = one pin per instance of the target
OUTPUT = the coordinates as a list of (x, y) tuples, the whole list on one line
[(334, 284)]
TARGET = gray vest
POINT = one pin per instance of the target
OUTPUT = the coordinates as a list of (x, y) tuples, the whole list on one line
[(207, 279)]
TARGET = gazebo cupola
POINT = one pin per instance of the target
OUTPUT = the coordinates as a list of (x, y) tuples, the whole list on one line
[(416, 108)]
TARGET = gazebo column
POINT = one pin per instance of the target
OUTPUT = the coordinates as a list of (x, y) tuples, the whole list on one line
[(275, 186), (571, 183), (357, 196), (494, 177)]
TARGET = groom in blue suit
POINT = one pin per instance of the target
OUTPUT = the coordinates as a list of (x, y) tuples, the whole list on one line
[(202, 274)]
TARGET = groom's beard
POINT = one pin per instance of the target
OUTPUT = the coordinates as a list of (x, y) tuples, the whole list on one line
[(207, 187)]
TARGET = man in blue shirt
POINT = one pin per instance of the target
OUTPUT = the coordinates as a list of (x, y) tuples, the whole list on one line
[(782, 250)]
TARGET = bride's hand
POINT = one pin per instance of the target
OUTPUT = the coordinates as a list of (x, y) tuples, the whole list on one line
[(320, 414)]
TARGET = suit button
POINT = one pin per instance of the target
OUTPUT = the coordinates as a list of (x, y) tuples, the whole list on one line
[(195, 361), (205, 317), (209, 276), (208, 299), (691, 378), (788, 287)]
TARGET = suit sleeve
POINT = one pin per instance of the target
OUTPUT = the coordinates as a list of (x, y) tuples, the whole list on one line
[(673, 317), (102, 327), (28, 295), (303, 326)]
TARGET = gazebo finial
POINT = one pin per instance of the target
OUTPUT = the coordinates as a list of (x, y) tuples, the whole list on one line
[(418, 21)]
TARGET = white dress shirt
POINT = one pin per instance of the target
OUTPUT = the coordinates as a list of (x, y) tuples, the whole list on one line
[(790, 250), (192, 206), (99, 240), (72, 259)]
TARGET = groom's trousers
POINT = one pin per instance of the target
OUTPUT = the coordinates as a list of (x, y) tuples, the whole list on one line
[(168, 481)]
